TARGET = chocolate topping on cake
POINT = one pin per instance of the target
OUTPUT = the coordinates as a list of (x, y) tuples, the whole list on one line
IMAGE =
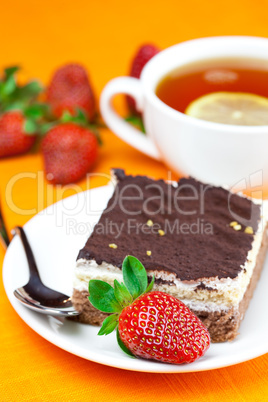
[(188, 234)]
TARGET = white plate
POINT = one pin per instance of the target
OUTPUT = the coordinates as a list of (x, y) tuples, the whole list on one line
[(56, 234)]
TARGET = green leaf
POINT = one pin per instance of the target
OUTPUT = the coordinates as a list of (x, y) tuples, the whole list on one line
[(45, 127), (29, 91), (135, 276), (109, 325), (122, 345), (16, 105), (30, 127), (9, 71), (8, 86), (101, 295), (80, 116), (150, 286), (66, 117), (122, 294), (36, 110), (136, 121), (95, 131)]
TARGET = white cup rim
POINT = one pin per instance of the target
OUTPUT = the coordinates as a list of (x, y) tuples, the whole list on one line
[(149, 84)]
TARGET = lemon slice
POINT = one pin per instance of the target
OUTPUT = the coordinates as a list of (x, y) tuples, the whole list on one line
[(237, 108)]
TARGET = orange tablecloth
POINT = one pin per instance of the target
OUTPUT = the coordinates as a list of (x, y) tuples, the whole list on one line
[(103, 36)]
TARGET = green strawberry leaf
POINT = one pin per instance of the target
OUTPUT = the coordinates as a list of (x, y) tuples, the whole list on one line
[(45, 127), (102, 297), (9, 71), (66, 117), (16, 105), (30, 127), (109, 324), (36, 111), (135, 276), (28, 91), (150, 286), (81, 116), (8, 86), (122, 346), (16, 97), (136, 121), (95, 131), (122, 294)]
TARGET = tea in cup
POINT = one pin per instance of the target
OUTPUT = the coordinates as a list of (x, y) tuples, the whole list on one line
[(176, 94)]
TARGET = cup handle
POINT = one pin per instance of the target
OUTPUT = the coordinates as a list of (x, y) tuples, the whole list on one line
[(125, 131)]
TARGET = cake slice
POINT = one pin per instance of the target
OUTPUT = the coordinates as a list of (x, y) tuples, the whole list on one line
[(205, 245)]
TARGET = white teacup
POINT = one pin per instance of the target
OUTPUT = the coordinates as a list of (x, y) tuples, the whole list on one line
[(215, 153)]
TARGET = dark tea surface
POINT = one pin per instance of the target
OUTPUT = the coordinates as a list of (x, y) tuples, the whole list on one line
[(185, 84)]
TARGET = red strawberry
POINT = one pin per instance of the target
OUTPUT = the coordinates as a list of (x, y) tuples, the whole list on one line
[(143, 55), (158, 326), (13, 138), (154, 325), (70, 89), (69, 152)]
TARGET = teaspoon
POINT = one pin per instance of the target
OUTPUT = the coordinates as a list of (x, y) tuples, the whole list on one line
[(35, 295)]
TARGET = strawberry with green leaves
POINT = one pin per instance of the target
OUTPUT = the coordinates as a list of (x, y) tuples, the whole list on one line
[(20, 114), (150, 325)]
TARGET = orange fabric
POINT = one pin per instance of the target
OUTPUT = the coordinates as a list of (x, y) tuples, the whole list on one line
[(103, 36)]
